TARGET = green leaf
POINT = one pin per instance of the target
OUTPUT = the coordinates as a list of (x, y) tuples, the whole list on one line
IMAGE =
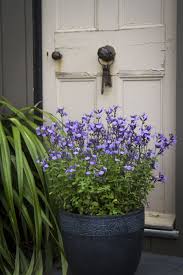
[(19, 161), (31, 266), (39, 265), (34, 146), (17, 262), (37, 208), (25, 213), (24, 262), (5, 168)]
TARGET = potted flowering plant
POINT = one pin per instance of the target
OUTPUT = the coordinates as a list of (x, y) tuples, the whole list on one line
[(100, 172)]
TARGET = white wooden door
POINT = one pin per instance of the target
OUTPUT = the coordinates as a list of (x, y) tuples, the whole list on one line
[(143, 33)]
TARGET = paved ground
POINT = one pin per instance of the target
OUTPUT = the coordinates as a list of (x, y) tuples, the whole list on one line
[(160, 265), (155, 265)]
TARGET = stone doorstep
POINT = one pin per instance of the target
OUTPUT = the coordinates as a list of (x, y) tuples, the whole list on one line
[(157, 220)]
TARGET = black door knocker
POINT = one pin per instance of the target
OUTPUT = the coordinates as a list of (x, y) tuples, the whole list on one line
[(106, 57)]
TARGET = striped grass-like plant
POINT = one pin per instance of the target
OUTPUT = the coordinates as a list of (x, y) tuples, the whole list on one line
[(28, 226)]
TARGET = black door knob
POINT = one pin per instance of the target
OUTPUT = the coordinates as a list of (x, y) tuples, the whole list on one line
[(107, 53), (56, 55)]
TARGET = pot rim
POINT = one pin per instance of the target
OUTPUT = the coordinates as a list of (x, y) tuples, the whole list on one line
[(83, 216)]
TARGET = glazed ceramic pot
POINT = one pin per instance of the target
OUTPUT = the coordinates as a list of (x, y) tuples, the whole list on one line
[(102, 245)]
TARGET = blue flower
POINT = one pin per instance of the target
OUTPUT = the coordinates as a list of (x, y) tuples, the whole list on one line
[(101, 173), (128, 168), (61, 112), (160, 178), (155, 165), (38, 131), (71, 169), (92, 162), (45, 167), (144, 117), (78, 135), (44, 164), (87, 158)]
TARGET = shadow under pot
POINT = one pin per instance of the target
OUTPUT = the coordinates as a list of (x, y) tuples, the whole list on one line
[(102, 245)]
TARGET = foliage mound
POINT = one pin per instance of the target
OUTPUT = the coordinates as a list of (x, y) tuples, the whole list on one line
[(103, 164)]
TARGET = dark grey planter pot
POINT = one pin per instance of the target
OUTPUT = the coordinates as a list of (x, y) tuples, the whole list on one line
[(107, 245)]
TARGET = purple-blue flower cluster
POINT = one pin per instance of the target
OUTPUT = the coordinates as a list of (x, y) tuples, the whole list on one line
[(89, 145)]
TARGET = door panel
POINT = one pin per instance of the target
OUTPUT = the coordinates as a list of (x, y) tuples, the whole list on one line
[(141, 12), (74, 93), (150, 94), (143, 33), (107, 20), (69, 14)]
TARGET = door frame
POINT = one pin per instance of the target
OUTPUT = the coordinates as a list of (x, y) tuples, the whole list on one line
[(37, 51), (163, 246)]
